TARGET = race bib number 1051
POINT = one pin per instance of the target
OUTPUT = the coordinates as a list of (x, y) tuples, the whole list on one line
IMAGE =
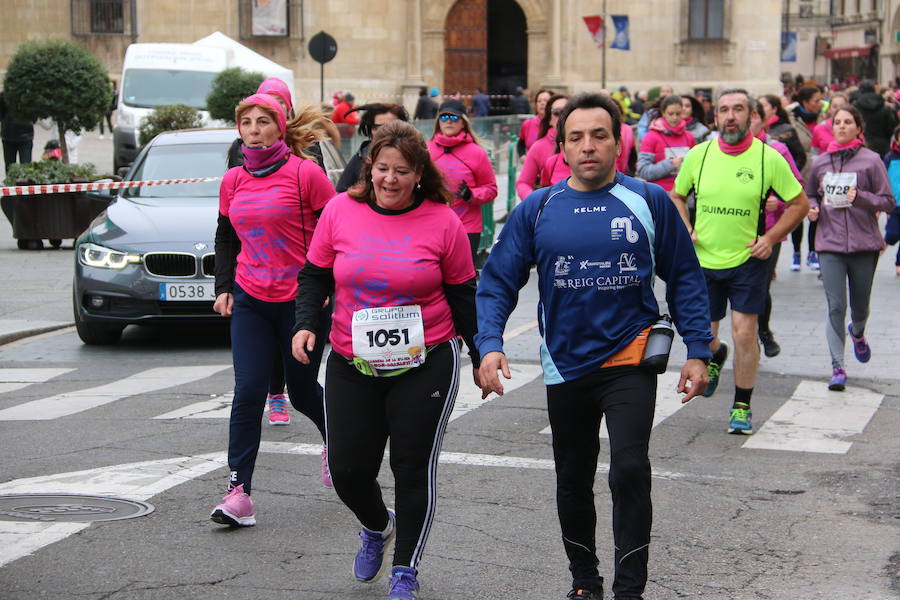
[(389, 337)]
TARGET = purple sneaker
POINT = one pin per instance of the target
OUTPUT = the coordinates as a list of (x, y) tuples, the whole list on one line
[(860, 345), (403, 584), (369, 563), (838, 380)]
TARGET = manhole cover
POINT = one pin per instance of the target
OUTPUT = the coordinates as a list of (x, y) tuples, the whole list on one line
[(50, 508)]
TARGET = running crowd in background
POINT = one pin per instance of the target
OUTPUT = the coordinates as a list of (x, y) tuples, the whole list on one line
[(690, 188)]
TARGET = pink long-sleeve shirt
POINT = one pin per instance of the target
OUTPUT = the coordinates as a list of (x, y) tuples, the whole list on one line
[(460, 159)]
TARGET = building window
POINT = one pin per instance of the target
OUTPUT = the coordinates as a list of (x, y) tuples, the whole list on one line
[(270, 18), (110, 17), (706, 19), (106, 16)]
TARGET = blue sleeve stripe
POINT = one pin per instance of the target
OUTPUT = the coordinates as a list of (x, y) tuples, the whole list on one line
[(639, 206)]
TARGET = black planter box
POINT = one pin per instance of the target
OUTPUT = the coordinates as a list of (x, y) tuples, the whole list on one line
[(51, 216)]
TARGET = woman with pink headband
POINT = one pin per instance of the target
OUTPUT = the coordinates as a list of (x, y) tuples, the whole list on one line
[(268, 209), (276, 401)]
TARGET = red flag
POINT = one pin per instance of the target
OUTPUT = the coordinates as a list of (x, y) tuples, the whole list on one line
[(595, 26)]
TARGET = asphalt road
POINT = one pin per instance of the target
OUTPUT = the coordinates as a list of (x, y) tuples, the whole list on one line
[(731, 521), (806, 508)]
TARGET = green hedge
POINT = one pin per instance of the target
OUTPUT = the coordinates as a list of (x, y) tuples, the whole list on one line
[(169, 118), (48, 171)]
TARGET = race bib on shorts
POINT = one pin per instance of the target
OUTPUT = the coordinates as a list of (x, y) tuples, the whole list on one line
[(836, 186), (389, 337)]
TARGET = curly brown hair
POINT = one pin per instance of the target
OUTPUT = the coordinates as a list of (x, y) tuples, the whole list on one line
[(410, 143)]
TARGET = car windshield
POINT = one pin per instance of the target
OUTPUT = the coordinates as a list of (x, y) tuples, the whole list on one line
[(147, 88), (181, 161)]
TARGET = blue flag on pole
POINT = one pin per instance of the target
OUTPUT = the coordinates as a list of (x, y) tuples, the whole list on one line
[(620, 41)]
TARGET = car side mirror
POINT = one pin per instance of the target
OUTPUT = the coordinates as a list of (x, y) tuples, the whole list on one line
[(123, 171)]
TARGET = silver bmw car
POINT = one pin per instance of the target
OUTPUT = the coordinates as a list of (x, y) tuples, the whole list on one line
[(148, 258)]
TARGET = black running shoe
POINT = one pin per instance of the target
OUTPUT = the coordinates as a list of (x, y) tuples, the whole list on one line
[(770, 346), (585, 594)]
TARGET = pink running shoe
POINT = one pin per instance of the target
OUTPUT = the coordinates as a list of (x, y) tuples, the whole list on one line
[(326, 472), (236, 509), (278, 412)]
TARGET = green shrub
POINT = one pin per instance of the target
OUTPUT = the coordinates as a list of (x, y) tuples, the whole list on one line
[(168, 118), (48, 171), (60, 80), (228, 89)]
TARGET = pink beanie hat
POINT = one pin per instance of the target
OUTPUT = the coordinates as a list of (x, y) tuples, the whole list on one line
[(277, 87), (269, 102)]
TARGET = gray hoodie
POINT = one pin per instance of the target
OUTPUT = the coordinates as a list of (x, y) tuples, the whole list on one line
[(853, 229)]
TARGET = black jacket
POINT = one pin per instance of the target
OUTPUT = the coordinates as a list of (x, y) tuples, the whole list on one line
[(880, 122), (12, 130), (519, 105), (787, 135), (426, 108)]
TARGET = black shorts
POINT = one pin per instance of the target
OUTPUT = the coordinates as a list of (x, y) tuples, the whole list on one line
[(744, 286)]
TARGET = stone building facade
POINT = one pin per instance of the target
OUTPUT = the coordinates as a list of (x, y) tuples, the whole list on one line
[(388, 48)]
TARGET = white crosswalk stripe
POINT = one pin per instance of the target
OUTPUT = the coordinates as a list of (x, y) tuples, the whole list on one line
[(816, 419), (70, 403), (138, 481), (16, 379), (469, 396), (668, 401), (813, 419), (468, 399)]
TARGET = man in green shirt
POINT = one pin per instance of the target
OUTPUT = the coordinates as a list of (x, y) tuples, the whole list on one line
[(730, 177)]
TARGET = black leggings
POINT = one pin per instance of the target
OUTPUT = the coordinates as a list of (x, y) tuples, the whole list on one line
[(797, 236), (626, 396), (276, 379), (474, 242), (411, 410), (763, 325)]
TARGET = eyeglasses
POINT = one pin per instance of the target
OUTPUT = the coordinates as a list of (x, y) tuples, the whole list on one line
[(450, 118), (556, 112)]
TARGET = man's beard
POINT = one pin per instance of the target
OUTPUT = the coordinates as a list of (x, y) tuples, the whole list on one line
[(737, 136)]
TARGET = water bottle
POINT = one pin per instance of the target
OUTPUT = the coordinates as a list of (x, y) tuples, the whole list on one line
[(659, 343)]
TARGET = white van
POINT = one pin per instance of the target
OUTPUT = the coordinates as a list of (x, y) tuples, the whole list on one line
[(158, 74)]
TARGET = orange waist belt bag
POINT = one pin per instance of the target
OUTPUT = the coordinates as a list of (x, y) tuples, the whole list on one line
[(649, 349), (630, 355)]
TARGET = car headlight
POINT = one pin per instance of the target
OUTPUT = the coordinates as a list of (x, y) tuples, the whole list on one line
[(92, 255)]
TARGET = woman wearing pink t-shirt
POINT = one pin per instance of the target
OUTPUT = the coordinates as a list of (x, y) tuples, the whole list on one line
[(267, 214), (530, 176), (529, 131), (467, 170), (398, 261), (665, 145)]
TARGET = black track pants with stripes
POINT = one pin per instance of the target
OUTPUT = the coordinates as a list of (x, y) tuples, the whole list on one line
[(626, 397), (410, 411)]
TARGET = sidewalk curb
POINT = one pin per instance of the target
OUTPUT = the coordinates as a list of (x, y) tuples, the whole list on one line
[(6, 338)]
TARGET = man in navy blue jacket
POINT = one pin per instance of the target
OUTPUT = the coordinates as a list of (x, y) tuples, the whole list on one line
[(598, 239)]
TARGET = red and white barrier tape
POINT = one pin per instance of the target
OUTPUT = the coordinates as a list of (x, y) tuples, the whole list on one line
[(61, 188)]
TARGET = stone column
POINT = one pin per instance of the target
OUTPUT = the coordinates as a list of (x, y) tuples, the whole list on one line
[(414, 79), (539, 36)]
